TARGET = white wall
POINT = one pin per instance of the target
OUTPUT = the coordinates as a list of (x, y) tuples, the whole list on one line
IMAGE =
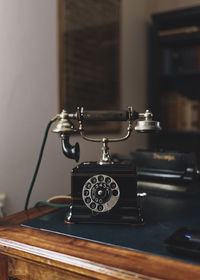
[(29, 92), (29, 95)]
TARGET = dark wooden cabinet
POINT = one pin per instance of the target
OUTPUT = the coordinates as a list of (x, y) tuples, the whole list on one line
[(174, 79)]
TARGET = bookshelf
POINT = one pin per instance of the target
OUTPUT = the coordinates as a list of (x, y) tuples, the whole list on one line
[(174, 79)]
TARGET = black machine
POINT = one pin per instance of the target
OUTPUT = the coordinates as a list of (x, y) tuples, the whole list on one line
[(167, 171), (103, 191)]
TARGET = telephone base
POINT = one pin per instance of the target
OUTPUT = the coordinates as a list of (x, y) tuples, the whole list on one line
[(104, 194), (120, 215)]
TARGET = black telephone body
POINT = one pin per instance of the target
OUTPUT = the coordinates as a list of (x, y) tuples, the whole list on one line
[(104, 194), (103, 191)]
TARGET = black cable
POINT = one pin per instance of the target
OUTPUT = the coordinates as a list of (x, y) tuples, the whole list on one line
[(38, 163)]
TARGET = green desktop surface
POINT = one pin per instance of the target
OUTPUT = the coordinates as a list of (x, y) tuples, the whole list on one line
[(163, 215)]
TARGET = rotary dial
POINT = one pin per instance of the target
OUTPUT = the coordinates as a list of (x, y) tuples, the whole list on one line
[(100, 193)]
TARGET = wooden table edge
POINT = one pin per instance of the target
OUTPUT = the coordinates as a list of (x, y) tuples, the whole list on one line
[(90, 266)]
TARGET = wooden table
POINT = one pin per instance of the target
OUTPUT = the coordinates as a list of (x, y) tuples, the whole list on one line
[(27, 253)]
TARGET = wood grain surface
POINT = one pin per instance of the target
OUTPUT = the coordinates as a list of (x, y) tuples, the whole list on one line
[(27, 270), (80, 258), (3, 267)]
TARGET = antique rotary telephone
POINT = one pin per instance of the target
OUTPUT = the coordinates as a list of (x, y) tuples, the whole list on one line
[(103, 191)]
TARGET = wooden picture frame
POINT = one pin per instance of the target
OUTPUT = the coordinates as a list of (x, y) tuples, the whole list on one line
[(89, 57)]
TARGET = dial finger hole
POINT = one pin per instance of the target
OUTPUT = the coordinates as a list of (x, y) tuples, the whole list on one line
[(115, 192), (100, 207), (88, 200), (93, 180), (107, 180), (86, 192), (92, 205), (88, 186), (100, 178), (113, 185)]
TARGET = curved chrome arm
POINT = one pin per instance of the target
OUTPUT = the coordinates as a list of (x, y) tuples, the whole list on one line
[(129, 131), (81, 128), (105, 157)]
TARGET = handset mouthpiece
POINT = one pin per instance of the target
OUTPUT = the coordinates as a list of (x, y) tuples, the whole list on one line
[(69, 150), (65, 128)]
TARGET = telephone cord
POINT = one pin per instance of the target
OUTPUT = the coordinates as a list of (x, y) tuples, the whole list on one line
[(51, 204), (38, 163)]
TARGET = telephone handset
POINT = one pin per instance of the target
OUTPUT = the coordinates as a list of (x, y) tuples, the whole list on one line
[(102, 191)]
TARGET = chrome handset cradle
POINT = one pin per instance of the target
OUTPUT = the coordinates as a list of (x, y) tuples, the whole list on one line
[(65, 128)]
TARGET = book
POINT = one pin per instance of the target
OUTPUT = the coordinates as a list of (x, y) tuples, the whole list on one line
[(198, 58), (177, 31), (166, 61), (170, 109), (180, 60), (179, 113)]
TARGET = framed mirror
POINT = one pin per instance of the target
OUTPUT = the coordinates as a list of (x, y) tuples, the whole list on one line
[(89, 56)]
